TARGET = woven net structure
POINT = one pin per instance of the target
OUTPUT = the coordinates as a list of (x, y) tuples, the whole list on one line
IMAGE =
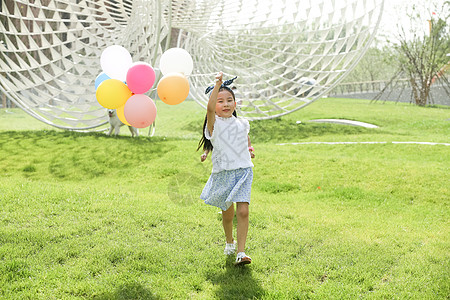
[(286, 53)]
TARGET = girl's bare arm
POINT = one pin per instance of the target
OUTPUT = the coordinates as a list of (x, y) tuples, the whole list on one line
[(211, 108)]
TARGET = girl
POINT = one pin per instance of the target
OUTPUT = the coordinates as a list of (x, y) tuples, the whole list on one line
[(232, 173)]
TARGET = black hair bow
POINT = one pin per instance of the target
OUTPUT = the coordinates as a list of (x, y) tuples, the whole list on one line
[(224, 84)]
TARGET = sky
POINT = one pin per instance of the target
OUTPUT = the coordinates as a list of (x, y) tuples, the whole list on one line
[(395, 13)]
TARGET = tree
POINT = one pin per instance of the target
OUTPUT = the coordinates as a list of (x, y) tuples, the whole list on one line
[(375, 65), (423, 54)]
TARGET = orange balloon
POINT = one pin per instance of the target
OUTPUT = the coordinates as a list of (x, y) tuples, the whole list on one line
[(112, 93), (173, 88), (121, 115)]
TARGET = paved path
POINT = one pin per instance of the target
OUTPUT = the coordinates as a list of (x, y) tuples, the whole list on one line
[(351, 143), (345, 122)]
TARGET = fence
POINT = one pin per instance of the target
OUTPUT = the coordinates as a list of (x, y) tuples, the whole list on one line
[(398, 90), (367, 87)]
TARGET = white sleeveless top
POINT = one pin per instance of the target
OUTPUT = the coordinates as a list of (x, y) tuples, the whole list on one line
[(230, 142)]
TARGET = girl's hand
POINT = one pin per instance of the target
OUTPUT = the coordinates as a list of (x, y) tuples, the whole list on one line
[(251, 150), (219, 77), (203, 157)]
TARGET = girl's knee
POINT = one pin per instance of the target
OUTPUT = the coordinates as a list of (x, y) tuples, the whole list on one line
[(242, 210), (228, 215)]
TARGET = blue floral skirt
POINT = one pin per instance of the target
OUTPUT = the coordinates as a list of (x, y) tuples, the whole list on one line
[(229, 186)]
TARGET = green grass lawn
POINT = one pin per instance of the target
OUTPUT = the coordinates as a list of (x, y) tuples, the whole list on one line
[(87, 216)]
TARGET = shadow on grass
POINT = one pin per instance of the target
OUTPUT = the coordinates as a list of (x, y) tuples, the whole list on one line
[(278, 129), (38, 134), (127, 291), (236, 282), (281, 130), (70, 155)]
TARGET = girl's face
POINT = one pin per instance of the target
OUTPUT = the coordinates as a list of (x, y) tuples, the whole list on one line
[(225, 105)]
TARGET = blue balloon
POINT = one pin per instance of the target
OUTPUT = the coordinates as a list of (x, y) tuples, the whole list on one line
[(100, 78)]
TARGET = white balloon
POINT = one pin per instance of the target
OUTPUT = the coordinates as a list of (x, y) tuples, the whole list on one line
[(176, 60), (115, 62)]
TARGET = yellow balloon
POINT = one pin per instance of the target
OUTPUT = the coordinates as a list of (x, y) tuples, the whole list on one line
[(121, 115), (112, 93), (173, 88)]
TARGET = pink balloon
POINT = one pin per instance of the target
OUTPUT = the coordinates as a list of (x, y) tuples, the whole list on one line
[(140, 77), (140, 111)]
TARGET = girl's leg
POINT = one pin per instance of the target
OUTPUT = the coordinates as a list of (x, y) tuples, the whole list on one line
[(227, 222), (242, 224)]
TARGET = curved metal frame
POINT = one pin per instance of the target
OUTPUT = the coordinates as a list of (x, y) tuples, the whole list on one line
[(50, 57)]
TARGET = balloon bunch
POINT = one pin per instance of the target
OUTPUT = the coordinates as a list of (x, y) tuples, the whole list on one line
[(122, 84)]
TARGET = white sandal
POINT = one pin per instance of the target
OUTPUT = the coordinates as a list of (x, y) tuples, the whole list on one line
[(230, 248), (242, 259)]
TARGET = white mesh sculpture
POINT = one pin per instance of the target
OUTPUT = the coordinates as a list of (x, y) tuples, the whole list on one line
[(286, 53)]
